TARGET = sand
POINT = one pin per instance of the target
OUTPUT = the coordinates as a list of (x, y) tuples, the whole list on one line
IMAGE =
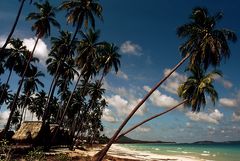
[(118, 153)]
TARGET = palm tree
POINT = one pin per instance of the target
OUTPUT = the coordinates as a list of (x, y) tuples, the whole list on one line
[(207, 44), (192, 92), (14, 25), (44, 18), (37, 106), (109, 58), (6, 95), (81, 12), (88, 53), (62, 50), (197, 84), (15, 58), (31, 85), (198, 33)]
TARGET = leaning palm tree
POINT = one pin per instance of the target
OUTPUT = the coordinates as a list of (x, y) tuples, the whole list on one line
[(192, 92), (206, 45), (44, 18), (81, 12)]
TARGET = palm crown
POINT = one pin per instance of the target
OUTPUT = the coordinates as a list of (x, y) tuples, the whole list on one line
[(44, 18), (196, 86), (206, 44)]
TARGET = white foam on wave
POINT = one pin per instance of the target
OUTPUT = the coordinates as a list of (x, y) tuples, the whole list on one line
[(206, 152), (186, 152), (156, 149), (172, 151)]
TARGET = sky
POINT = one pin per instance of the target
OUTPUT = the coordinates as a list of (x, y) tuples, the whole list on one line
[(145, 32)]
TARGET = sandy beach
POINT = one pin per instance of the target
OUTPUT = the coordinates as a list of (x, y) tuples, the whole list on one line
[(117, 152)]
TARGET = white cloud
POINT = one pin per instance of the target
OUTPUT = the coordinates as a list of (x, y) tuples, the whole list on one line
[(213, 117), (159, 99), (131, 48), (108, 116), (236, 116), (2, 40), (123, 106), (122, 75), (3, 117), (41, 50), (172, 83), (226, 83), (189, 125), (228, 102), (143, 129)]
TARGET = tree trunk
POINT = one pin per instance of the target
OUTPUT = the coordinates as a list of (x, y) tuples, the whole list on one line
[(47, 108), (148, 119), (13, 106), (99, 156), (14, 26)]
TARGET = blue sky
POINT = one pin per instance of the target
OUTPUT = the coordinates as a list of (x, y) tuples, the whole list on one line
[(145, 31)]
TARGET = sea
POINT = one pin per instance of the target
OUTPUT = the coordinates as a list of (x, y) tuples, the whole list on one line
[(205, 152)]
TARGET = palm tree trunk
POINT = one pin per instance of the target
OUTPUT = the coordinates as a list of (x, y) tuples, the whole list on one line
[(5, 86), (13, 106), (14, 25), (150, 118), (103, 152), (47, 109)]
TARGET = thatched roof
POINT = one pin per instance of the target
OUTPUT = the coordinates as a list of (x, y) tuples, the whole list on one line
[(28, 126)]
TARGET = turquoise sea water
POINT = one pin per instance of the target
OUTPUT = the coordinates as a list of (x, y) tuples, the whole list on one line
[(210, 152)]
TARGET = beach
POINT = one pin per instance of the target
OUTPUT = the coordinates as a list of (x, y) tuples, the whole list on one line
[(119, 153)]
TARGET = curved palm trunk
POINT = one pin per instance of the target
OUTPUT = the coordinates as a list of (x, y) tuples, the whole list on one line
[(14, 25), (150, 118), (5, 86), (13, 106), (99, 156)]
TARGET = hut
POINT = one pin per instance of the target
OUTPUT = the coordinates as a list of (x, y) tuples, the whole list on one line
[(29, 131)]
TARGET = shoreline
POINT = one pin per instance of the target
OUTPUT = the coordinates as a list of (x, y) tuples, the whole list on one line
[(118, 151)]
